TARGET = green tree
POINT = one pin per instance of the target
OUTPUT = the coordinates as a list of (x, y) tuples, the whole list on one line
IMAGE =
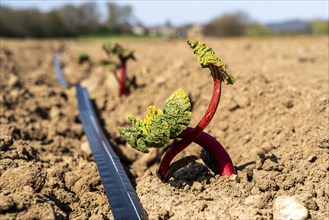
[(234, 24), (257, 30), (119, 18), (80, 20), (319, 27)]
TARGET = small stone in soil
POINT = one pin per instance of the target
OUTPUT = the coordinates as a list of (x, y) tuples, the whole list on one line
[(5, 142), (197, 186), (312, 158), (234, 178), (201, 206), (187, 187), (164, 214), (6, 203), (13, 81), (86, 148), (287, 207), (311, 205)]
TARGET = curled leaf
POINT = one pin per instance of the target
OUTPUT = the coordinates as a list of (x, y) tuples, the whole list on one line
[(208, 59), (126, 54), (157, 126), (151, 113), (118, 50), (158, 133), (132, 136), (109, 65), (110, 48), (205, 54), (177, 112)]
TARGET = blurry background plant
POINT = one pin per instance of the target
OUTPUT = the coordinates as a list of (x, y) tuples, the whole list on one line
[(123, 55), (85, 65), (83, 58)]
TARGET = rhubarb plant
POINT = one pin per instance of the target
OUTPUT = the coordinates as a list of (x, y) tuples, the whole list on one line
[(159, 126), (85, 64), (83, 58), (123, 55)]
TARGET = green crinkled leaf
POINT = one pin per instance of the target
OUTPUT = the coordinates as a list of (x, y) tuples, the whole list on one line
[(110, 48), (132, 135), (109, 65), (158, 133), (229, 78), (127, 54), (141, 145), (208, 59), (151, 113), (205, 54), (134, 120), (177, 112), (157, 126), (117, 49)]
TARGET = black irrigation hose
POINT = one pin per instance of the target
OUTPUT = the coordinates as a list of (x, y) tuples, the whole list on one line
[(58, 70), (120, 193)]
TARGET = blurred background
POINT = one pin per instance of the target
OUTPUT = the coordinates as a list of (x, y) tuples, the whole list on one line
[(170, 19)]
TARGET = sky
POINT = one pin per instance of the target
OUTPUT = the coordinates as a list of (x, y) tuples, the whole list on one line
[(152, 13)]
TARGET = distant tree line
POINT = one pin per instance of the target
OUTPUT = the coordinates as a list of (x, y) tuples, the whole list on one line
[(67, 21), (240, 24)]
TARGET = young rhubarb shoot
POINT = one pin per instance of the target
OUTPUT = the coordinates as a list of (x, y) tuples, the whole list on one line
[(207, 59), (123, 55), (85, 64), (158, 126), (83, 58)]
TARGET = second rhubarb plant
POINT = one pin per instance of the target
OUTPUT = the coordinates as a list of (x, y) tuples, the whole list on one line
[(160, 126), (123, 55)]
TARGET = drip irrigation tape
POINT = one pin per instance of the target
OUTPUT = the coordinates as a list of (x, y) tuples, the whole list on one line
[(58, 70), (120, 193)]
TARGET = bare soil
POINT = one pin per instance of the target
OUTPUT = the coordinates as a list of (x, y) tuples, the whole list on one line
[(274, 123)]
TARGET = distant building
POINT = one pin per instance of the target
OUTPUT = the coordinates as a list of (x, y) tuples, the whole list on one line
[(139, 29), (289, 27), (164, 31), (194, 31)]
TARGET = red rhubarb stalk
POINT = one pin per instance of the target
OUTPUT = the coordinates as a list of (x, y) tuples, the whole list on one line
[(219, 155), (193, 135), (123, 78)]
